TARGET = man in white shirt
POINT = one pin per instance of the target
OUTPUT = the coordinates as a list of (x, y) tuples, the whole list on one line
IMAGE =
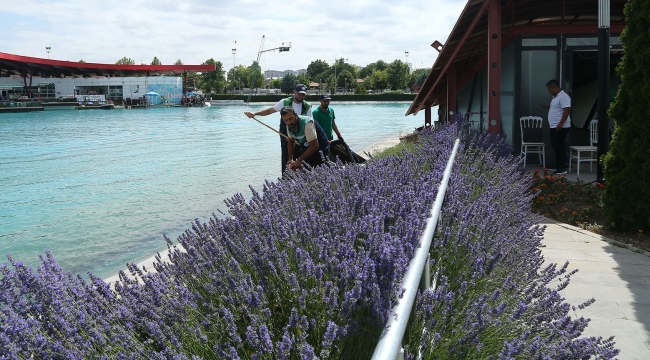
[(559, 120)]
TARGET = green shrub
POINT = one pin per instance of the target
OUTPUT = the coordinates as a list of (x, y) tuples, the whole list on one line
[(626, 166)]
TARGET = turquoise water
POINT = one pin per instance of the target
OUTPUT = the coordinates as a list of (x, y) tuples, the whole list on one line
[(100, 188)]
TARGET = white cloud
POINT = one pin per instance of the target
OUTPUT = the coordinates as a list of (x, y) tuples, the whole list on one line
[(104, 31)]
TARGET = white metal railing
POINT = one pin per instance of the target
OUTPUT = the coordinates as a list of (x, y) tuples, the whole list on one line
[(390, 342)]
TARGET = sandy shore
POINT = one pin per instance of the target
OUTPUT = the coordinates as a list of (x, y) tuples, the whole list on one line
[(376, 147)]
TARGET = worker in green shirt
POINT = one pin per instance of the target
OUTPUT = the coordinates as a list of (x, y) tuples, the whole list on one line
[(324, 116)]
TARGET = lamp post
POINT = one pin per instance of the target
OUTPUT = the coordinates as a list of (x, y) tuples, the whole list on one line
[(234, 69), (47, 50), (345, 88), (335, 74), (603, 83)]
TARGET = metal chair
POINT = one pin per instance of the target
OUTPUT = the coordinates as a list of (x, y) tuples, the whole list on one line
[(592, 149), (532, 147)]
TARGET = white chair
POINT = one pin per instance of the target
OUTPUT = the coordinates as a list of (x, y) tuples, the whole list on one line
[(532, 147), (592, 149)]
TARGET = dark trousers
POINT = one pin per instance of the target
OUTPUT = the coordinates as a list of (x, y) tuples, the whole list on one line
[(558, 142), (283, 146)]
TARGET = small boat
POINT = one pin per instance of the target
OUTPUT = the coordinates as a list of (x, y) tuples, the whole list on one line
[(107, 106), (227, 102)]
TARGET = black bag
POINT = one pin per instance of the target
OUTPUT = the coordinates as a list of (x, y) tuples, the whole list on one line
[(338, 148), (533, 135)]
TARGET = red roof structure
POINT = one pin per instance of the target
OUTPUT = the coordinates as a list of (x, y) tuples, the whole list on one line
[(26, 66)]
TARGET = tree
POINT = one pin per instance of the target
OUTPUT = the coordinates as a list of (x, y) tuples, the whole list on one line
[(397, 75), (81, 61), (627, 166), (254, 74), (178, 62), (238, 77), (288, 84), (316, 69), (125, 61), (276, 83), (342, 66), (342, 76), (212, 81), (155, 61), (370, 68), (360, 89), (378, 79), (418, 77), (303, 79)]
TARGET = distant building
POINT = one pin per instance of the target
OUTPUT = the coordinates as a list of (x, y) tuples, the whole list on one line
[(24, 77), (270, 74)]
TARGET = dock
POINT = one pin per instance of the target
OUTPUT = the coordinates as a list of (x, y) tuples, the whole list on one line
[(20, 109)]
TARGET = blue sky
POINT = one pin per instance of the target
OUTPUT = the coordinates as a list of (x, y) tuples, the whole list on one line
[(104, 31)]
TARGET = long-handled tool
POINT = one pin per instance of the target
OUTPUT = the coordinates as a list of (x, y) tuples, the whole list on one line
[(281, 134)]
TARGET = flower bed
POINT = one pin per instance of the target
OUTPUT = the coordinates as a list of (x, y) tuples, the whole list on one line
[(310, 268)]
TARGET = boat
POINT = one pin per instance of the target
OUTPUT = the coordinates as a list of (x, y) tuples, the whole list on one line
[(107, 106), (227, 102)]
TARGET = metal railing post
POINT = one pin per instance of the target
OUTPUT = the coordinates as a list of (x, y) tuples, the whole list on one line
[(389, 346)]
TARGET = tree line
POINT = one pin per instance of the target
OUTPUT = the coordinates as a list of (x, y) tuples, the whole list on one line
[(376, 76)]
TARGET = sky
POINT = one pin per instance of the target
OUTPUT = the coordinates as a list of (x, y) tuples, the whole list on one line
[(360, 31)]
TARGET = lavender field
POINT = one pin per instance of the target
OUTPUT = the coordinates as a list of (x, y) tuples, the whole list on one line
[(310, 268)]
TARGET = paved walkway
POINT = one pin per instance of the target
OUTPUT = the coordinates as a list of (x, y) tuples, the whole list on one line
[(616, 275)]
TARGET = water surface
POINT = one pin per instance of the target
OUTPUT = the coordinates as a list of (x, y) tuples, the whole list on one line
[(100, 188)]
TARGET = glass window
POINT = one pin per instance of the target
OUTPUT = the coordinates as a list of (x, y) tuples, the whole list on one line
[(592, 41), (537, 68), (507, 91), (538, 42)]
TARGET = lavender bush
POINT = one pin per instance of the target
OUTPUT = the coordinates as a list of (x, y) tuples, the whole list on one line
[(494, 298), (310, 268)]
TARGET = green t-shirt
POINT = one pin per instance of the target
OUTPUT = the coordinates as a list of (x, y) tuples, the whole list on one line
[(324, 120)]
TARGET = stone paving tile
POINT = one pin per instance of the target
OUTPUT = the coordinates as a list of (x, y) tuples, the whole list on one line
[(637, 312), (626, 335), (622, 250), (596, 266), (600, 257), (619, 280), (564, 254), (600, 308), (642, 270), (576, 245), (630, 294), (634, 259), (586, 278)]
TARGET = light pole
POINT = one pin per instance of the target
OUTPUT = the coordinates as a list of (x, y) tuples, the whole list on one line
[(47, 50), (604, 18), (406, 53), (234, 69), (345, 88), (335, 74)]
